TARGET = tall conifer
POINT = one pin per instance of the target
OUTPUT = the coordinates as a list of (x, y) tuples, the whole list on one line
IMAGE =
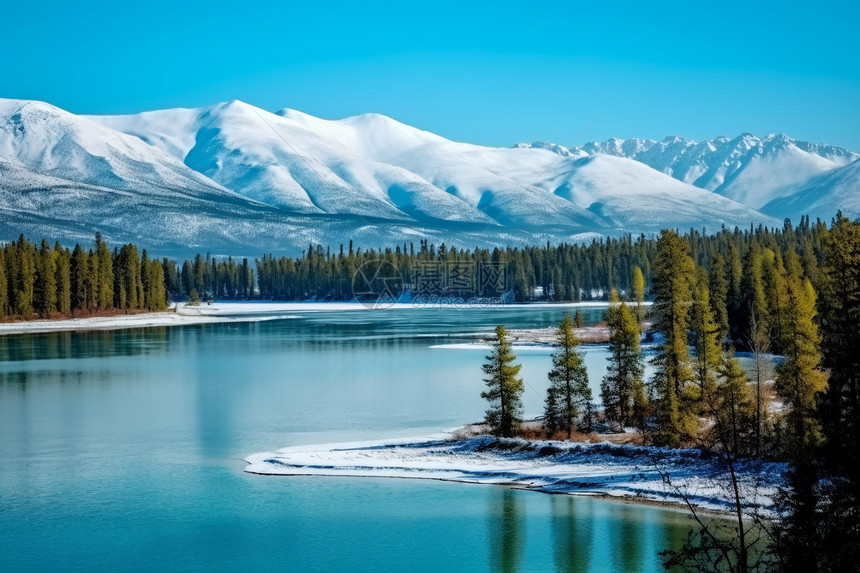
[(504, 389)]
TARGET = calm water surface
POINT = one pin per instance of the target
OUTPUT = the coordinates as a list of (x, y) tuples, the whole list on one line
[(121, 451)]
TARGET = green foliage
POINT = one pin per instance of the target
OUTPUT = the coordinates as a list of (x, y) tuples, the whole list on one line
[(638, 288), (193, 298), (46, 281), (798, 379), (674, 276), (718, 285), (704, 338), (568, 396), (504, 389), (622, 390)]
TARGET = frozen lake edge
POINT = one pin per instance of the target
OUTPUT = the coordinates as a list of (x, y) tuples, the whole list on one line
[(626, 472)]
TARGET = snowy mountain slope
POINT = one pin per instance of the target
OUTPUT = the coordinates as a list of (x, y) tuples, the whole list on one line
[(822, 196), (374, 165), (747, 169), (288, 164), (238, 178), (58, 209), (47, 140), (621, 190)]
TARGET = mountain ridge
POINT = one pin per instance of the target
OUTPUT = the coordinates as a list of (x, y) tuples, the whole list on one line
[(243, 177)]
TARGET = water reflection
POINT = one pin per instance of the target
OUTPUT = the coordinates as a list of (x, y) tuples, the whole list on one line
[(573, 534), (629, 556), (507, 531), (79, 345)]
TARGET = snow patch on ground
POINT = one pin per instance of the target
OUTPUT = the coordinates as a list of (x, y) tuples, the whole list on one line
[(639, 472)]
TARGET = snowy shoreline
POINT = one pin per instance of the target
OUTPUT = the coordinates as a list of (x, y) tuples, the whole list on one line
[(622, 472), (181, 315)]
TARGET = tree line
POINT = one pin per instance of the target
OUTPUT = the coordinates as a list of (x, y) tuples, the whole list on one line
[(741, 263), (568, 272), (54, 281)]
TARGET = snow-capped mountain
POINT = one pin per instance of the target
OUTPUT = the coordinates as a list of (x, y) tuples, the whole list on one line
[(747, 169), (235, 177), (374, 165), (829, 192)]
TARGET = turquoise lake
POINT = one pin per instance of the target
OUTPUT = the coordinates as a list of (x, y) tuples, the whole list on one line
[(122, 451)]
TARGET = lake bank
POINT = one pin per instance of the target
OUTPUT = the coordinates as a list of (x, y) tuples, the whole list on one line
[(630, 473)]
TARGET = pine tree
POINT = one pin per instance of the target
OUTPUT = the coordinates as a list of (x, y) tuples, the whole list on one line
[(839, 311), (639, 292), (62, 259), (105, 278), (4, 286), (45, 285), (79, 270), (798, 384), (798, 378), (704, 338), (504, 389), (625, 369), (736, 410), (754, 301), (672, 284), (718, 285), (568, 395)]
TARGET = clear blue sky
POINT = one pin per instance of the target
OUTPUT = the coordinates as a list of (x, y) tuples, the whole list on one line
[(486, 72)]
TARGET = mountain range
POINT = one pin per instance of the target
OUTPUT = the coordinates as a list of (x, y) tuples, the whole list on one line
[(237, 179)]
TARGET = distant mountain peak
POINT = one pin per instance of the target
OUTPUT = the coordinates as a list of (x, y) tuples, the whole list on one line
[(234, 174)]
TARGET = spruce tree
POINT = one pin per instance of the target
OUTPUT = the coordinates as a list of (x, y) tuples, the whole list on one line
[(105, 278), (839, 313), (568, 395), (704, 338), (718, 285), (79, 269), (672, 284), (799, 379), (799, 383), (623, 378), (639, 292), (4, 292), (45, 286), (504, 389), (736, 410), (754, 305), (62, 259)]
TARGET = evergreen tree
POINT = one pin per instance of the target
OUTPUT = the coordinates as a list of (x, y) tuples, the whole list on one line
[(63, 280), (45, 283), (798, 384), (672, 283), (105, 279), (624, 373), (839, 313), (79, 271), (798, 379), (639, 292), (735, 411), (4, 286), (504, 389), (718, 285), (568, 395), (704, 338), (754, 303)]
